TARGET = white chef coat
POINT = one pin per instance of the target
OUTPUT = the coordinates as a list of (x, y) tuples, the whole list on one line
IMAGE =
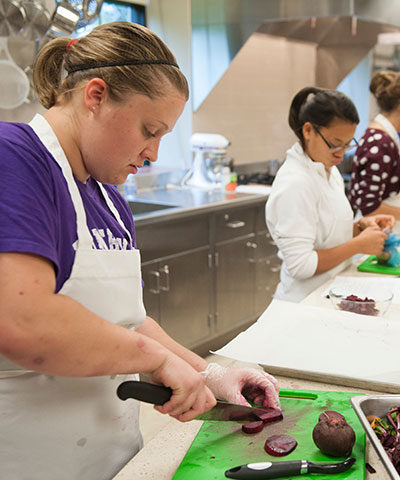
[(58, 428), (307, 210)]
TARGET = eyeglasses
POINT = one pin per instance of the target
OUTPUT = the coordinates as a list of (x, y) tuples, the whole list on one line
[(334, 149)]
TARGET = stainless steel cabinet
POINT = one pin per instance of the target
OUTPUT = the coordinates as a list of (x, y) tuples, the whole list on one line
[(267, 263), (234, 267), (235, 283), (177, 294), (208, 274), (268, 267), (176, 277)]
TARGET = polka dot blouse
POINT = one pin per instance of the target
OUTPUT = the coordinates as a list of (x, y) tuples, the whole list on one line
[(375, 172)]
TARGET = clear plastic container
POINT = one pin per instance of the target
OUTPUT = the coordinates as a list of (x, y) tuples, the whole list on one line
[(130, 188), (362, 301)]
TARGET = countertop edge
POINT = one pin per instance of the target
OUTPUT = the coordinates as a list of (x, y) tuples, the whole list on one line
[(182, 212)]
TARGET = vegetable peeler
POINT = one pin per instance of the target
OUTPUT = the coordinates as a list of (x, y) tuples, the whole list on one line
[(265, 470)]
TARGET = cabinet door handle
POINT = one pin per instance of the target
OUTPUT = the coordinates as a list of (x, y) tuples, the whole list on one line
[(236, 224), (253, 246), (157, 277), (210, 261), (216, 259), (164, 271), (269, 239)]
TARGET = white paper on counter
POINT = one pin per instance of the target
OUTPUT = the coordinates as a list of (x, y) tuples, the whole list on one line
[(320, 340), (372, 284), (263, 189)]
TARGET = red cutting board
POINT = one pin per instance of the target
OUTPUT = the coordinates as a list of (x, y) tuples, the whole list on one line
[(219, 446)]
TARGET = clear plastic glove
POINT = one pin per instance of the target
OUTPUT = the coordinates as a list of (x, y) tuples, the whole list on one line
[(233, 384)]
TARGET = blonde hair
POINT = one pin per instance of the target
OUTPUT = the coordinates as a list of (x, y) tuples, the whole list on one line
[(61, 67), (385, 86)]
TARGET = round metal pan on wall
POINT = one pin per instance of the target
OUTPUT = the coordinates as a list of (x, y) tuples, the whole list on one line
[(90, 11), (12, 17), (37, 20), (14, 84), (63, 21)]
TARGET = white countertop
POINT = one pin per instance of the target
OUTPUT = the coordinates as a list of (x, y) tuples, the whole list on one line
[(161, 456)]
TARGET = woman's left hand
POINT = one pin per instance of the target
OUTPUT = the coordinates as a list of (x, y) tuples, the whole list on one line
[(384, 222), (231, 384)]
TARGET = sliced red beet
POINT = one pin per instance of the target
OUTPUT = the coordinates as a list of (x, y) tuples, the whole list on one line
[(280, 445), (268, 415), (253, 427)]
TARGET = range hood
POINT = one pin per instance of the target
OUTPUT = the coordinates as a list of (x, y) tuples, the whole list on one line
[(343, 32)]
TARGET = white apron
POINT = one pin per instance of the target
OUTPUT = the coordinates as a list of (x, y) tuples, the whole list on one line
[(393, 201), (57, 428)]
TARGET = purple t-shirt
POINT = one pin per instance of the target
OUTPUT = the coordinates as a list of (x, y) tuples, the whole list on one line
[(36, 211)]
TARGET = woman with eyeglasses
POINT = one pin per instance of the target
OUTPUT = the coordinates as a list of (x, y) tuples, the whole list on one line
[(307, 213), (375, 179)]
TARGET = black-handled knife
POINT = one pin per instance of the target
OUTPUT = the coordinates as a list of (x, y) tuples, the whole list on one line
[(158, 395), (145, 392), (265, 470)]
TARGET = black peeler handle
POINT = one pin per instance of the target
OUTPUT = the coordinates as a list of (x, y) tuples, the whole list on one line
[(266, 470)]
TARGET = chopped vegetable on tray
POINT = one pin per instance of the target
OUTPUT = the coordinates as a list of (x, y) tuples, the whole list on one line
[(388, 432)]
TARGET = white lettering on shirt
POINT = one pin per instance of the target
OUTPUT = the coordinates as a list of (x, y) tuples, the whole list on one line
[(113, 242)]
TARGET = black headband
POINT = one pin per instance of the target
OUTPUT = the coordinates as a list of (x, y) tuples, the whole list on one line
[(88, 66)]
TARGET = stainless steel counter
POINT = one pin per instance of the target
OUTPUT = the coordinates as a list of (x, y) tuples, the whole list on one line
[(180, 202)]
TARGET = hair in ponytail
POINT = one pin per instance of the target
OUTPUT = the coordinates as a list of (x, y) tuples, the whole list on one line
[(385, 87), (320, 107), (130, 58)]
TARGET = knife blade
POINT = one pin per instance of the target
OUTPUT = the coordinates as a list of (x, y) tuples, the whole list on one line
[(158, 395), (265, 470)]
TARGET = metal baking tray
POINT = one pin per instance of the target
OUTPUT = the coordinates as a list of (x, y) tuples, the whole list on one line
[(378, 405)]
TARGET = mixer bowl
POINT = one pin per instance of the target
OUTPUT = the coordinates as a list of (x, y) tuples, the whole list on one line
[(214, 164)]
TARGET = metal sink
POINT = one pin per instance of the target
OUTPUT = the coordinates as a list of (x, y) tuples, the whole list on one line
[(139, 208)]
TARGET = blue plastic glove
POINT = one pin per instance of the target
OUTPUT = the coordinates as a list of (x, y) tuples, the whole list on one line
[(391, 244)]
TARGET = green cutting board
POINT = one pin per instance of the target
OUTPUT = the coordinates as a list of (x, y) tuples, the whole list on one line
[(371, 265), (219, 446)]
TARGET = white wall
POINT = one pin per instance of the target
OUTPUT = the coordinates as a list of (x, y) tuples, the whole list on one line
[(250, 103), (171, 21), (356, 86)]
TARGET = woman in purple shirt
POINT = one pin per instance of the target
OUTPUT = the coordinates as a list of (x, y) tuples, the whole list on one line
[(72, 320), (375, 179)]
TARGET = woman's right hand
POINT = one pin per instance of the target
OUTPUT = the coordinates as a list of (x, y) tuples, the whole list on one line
[(371, 240), (191, 397)]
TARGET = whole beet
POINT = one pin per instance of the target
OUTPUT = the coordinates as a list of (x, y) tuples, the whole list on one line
[(384, 257), (333, 435)]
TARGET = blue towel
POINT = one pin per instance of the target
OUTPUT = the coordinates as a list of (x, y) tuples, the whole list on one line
[(391, 244)]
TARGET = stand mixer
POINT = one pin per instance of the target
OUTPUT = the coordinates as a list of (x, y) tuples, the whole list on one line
[(209, 160)]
